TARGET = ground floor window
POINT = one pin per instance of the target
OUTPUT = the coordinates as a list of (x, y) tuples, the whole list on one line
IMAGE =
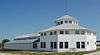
[(53, 45), (43, 44), (66, 44), (80, 44), (34, 44), (61, 45)]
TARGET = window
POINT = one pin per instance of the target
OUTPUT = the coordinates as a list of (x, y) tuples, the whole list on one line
[(43, 44), (41, 34), (45, 34), (82, 32), (58, 23), (82, 44), (61, 45), (50, 33), (77, 32), (87, 43), (55, 32), (53, 45), (34, 45), (66, 32), (70, 21), (78, 44), (66, 21), (94, 33), (61, 22), (66, 44), (61, 32)]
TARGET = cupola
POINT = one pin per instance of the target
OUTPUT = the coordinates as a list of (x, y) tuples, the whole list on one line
[(66, 19)]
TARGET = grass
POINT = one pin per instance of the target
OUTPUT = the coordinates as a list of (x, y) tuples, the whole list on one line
[(13, 52)]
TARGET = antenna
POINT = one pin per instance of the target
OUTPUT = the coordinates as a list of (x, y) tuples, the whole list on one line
[(65, 7)]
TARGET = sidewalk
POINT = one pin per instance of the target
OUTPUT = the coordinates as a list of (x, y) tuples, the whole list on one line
[(5, 54), (8, 54), (95, 53)]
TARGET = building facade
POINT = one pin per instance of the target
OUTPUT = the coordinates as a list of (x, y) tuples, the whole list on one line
[(66, 35)]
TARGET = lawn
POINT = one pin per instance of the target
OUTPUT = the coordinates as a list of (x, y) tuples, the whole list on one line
[(16, 52)]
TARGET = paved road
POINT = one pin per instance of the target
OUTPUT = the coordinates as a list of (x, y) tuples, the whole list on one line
[(95, 53)]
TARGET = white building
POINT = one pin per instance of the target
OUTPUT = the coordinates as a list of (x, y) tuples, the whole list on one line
[(66, 35), (23, 42)]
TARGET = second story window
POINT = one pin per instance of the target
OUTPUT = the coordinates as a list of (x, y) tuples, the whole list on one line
[(82, 32), (45, 34), (66, 21), (41, 34), (58, 23), (50, 33), (70, 21), (61, 22), (61, 32), (66, 32), (77, 32), (55, 32)]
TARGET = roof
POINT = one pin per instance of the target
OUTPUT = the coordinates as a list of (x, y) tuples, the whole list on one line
[(67, 17), (22, 41), (28, 35), (65, 26)]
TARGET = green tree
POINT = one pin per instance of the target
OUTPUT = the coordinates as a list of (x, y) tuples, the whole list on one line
[(3, 42)]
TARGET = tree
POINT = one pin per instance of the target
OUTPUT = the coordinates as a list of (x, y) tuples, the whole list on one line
[(3, 42)]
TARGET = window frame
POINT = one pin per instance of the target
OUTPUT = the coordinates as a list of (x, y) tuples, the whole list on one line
[(66, 45), (70, 22), (61, 32), (78, 45), (60, 44)]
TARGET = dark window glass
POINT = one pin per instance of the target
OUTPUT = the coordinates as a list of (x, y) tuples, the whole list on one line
[(44, 34), (55, 32), (43, 44), (58, 23), (66, 44), (78, 44), (77, 32), (55, 44), (61, 45), (66, 21), (61, 32), (61, 22), (51, 44), (82, 32), (66, 32), (41, 34), (50, 33), (82, 44), (34, 45), (88, 43), (70, 21)]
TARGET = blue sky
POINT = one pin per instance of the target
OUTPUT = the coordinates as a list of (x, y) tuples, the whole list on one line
[(19, 17)]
